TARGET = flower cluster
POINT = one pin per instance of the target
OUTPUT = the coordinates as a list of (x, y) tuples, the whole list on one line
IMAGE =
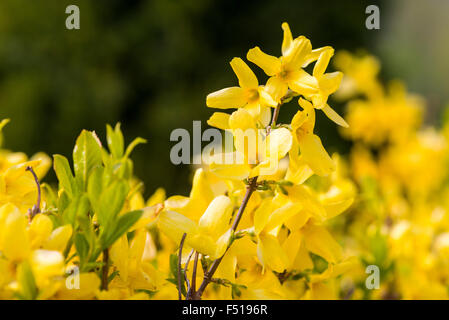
[(251, 228), (400, 221), (257, 225)]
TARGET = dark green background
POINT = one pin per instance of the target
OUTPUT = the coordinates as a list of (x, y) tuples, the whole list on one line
[(150, 65)]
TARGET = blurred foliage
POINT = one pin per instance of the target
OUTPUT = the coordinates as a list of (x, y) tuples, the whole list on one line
[(147, 64)]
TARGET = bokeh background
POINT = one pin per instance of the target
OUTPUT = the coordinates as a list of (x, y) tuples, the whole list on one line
[(150, 64)]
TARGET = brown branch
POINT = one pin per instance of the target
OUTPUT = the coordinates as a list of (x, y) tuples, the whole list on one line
[(36, 208), (105, 270), (179, 266), (185, 269), (250, 188), (192, 290)]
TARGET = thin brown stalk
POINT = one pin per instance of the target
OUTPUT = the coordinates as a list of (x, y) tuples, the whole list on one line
[(193, 282), (36, 208), (250, 188), (105, 270), (181, 244)]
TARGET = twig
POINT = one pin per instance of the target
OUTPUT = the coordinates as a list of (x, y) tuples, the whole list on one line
[(250, 188), (36, 208), (208, 276), (185, 269), (179, 266), (191, 293), (105, 270)]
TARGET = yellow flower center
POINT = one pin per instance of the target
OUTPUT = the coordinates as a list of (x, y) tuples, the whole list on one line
[(283, 74), (253, 95)]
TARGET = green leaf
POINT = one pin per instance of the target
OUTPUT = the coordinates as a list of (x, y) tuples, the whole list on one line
[(82, 246), (27, 282), (115, 141), (87, 229), (133, 144), (63, 202), (174, 265), (86, 156), (125, 169), (124, 223), (95, 186), (111, 202), (78, 207), (64, 174)]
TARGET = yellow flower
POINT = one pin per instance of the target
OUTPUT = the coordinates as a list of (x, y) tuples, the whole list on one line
[(210, 236), (256, 154), (312, 152), (249, 95), (286, 72)]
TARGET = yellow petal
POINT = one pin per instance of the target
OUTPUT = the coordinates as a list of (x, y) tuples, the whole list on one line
[(138, 246), (335, 117), (119, 255), (276, 88), (89, 283), (148, 216), (270, 64), (59, 238), (204, 244), (297, 221), (314, 55), (44, 164), (270, 253), (302, 260), (47, 263), (330, 82), (315, 155), (319, 241), (247, 78), (280, 215), (265, 98), (174, 225), (305, 196), (200, 195), (259, 112), (233, 97), (262, 214), (241, 119), (322, 63), (303, 83), (287, 38), (222, 244), (219, 120), (246, 135), (296, 54), (303, 121), (215, 220), (278, 143), (291, 246), (40, 229), (157, 197), (338, 198), (230, 169), (16, 245)]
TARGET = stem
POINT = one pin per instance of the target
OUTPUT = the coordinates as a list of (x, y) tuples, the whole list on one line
[(251, 187), (179, 266), (213, 268), (274, 119), (193, 285), (105, 270), (185, 269), (36, 208)]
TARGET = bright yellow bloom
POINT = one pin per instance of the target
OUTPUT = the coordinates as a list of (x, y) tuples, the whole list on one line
[(209, 236), (249, 95)]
